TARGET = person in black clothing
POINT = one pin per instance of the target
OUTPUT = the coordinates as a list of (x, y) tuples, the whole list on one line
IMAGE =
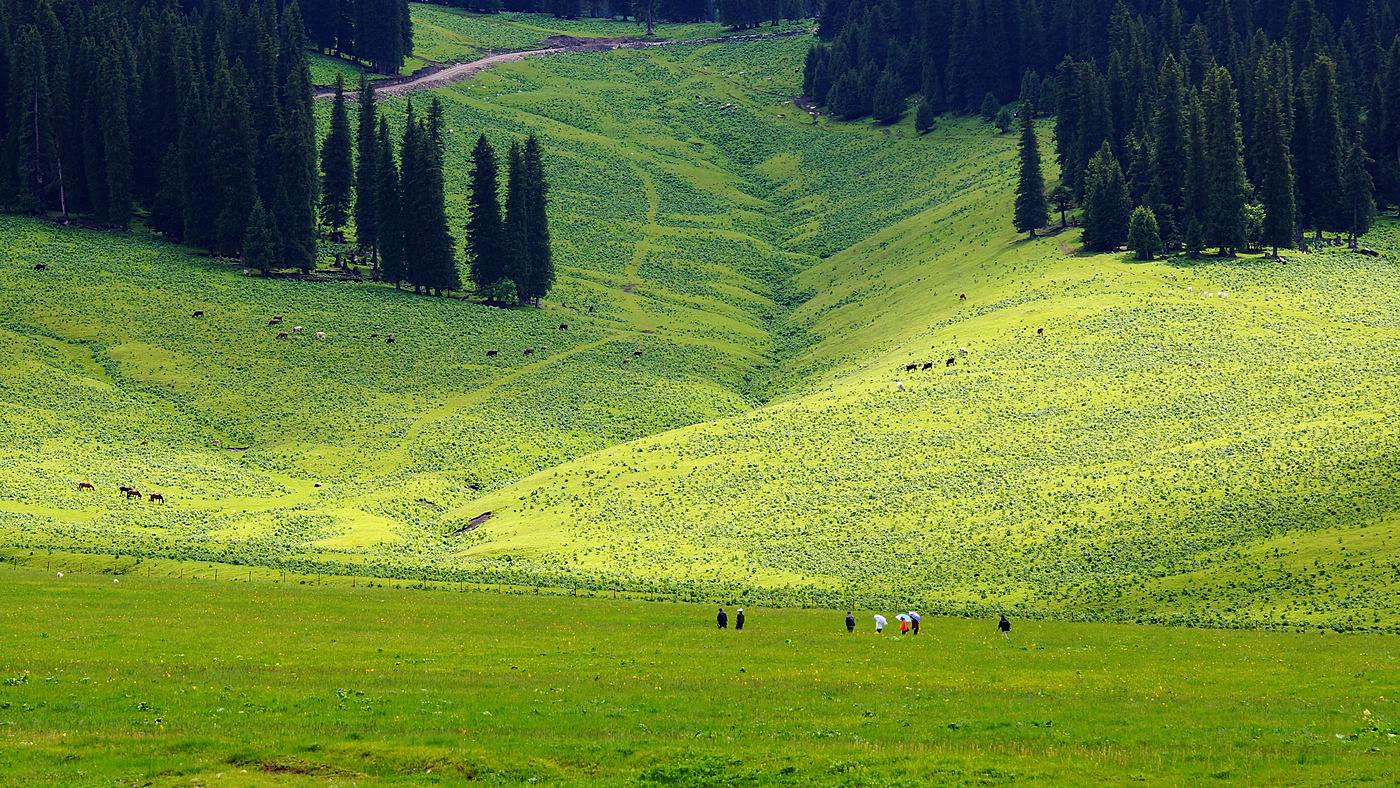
[(850, 621), (722, 619), (739, 619), (1004, 626)]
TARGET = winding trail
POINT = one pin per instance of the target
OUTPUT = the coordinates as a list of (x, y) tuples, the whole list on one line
[(433, 78)]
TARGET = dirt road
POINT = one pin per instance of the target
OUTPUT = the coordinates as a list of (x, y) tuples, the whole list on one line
[(439, 76)]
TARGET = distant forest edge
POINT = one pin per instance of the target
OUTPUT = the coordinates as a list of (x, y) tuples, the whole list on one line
[(1198, 107)]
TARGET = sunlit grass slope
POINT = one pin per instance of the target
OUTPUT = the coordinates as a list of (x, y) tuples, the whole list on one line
[(167, 682), (1189, 442)]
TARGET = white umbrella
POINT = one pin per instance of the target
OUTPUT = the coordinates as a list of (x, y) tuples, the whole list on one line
[(915, 616), (880, 621)]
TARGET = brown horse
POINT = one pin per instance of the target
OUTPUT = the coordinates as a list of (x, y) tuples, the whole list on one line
[(281, 334), (132, 492), (157, 497), (85, 486)]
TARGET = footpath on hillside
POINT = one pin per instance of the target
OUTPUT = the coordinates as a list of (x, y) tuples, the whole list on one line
[(439, 76)]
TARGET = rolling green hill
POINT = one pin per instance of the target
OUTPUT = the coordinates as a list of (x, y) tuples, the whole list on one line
[(1209, 442)]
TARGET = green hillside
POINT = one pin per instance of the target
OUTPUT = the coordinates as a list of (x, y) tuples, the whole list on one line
[(1189, 442)]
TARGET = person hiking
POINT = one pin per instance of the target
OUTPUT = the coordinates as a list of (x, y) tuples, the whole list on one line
[(722, 620), (739, 619), (850, 621), (879, 623), (915, 620), (903, 625), (1004, 626)]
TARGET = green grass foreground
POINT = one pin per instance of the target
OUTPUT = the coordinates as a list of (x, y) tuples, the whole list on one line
[(155, 681)]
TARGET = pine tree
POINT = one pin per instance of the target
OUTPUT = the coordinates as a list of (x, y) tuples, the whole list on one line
[(539, 277), (1274, 159), (516, 220), (366, 175), (116, 145), (429, 224), (410, 198), (889, 102), (337, 169), (295, 210), (1227, 189), (990, 107), (1105, 203), (260, 247), (232, 183), (34, 138), (1358, 190), (1144, 238), (388, 210), (485, 241), (1170, 152), (924, 117), (1032, 210), (1326, 149)]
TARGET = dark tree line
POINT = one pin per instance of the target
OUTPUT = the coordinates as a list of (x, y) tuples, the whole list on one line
[(738, 14), (399, 205), (199, 113), (1236, 122), (378, 32)]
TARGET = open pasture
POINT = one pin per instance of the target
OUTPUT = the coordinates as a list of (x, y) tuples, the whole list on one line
[(381, 685)]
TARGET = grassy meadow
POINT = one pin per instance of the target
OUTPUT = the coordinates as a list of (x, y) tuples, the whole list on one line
[(1210, 442), (260, 683)]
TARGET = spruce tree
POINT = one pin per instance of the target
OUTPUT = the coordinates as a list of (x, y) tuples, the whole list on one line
[(1358, 190), (1227, 189), (1326, 148), (337, 168), (1273, 156), (889, 102), (295, 206), (485, 240), (1105, 203), (924, 117), (388, 210), (517, 221), (232, 183), (1032, 210), (433, 236), (410, 193), (116, 146), (990, 107), (260, 247), (539, 276), (1170, 152), (1144, 237), (366, 175)]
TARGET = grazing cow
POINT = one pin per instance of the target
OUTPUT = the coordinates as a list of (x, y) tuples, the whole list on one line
[(636, 354), (390, 339), (282, 335), (296, 329), (132, 492), (928, 365), (951, 361), (492, 353), (157, 497), (41, 266), (563, 326), (276, 321), (962, 297), (529, 351), (1040, 332), (199, 313), (910, 367), (85, 486), (320, 335)]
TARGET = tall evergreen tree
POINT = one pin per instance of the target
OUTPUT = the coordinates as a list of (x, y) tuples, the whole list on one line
[(1326, 149), (1032, 209), (116, 144), (429, 224), (366, 176), (260, 247), (485, 233), (517, 221), (296, 146), (1273, 157), (1227, 190), (1358, 190), (1105, 202), (539, 271), (1170, 152), (232, 184), (337, 168), (388, 211)]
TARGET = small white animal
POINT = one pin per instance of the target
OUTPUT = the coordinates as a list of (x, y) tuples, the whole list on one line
[(296, 329), (60, 574), (320, 335), (899, 384)]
